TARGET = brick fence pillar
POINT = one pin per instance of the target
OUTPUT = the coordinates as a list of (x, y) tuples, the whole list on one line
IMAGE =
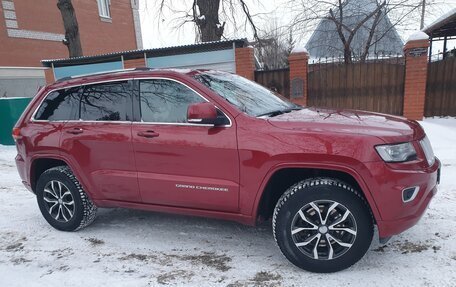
[(134, 63), (416, 66), (245, 62), (298, 61), (49, 76)]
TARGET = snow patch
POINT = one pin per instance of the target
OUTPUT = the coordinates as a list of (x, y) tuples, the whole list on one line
[(179, 70), (197, 10), (418, 35), (202, 17), (299, 50), (13, 98), (137, 248), (440, 19)]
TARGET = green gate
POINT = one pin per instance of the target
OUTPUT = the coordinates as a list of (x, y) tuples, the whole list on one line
[(10, 111)]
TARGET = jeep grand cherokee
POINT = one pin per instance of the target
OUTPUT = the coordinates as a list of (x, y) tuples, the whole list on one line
[(214, 144)]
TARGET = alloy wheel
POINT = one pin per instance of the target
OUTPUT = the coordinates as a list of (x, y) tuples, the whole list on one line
[(324, 229), (58, 201)]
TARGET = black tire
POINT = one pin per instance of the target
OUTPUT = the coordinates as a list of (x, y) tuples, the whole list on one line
[(319, 191), (82, 211)]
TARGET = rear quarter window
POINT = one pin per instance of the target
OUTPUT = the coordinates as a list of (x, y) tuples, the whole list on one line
[(59, 105)]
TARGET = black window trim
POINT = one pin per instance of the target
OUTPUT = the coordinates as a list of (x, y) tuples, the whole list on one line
[(134, 100), (32, 118), (81, 87), (129, 101), (137, 104)]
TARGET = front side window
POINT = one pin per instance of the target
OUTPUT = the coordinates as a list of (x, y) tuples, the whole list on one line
[(106, 102), (166, 101), (103, 8), (60, 105)]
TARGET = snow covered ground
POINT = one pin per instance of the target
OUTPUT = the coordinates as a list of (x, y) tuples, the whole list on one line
[(135, 248)]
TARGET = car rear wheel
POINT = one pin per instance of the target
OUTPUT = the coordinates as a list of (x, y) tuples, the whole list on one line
[(322, 225), (62, 200)]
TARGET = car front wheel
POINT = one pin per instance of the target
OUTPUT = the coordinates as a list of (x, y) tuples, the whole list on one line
[(322, 225)]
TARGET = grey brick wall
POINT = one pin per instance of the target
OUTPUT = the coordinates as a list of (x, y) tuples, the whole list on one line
[(11, 24), (8, 5), (9, 14), (27, 34)]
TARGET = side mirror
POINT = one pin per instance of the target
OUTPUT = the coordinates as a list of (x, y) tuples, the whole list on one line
[(202, 113)]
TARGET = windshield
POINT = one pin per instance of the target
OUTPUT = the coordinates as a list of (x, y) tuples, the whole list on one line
[(246, 95)]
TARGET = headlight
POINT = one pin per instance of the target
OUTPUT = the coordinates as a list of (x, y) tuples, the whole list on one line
[(427, 149), (396, 153)]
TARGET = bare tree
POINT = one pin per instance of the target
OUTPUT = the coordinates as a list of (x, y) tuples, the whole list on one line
[(346, 34), (376, 19), (423, 13), (206, 15), (275, 47), (70, 23)]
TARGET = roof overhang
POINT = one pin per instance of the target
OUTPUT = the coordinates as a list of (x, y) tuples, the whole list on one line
[(444, 26), (157, 52)]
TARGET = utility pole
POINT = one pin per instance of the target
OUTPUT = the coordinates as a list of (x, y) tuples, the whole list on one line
[(423, 13)]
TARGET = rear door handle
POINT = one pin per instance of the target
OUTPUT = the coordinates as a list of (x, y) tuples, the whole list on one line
[(148, 134), (75, 131)]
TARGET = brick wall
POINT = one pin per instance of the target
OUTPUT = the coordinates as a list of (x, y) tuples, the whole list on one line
[(49, 76), (415, 80), (134, 63), (35, 17), (298, 70), (245, 62)]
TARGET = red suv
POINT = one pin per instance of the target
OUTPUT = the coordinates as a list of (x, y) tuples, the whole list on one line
[(214, 144)]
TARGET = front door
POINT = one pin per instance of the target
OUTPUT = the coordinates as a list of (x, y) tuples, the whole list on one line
[(178, 163)]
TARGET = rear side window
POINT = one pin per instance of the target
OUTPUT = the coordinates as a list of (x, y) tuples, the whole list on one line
[(106, 102), (166, 101), (60, 106)]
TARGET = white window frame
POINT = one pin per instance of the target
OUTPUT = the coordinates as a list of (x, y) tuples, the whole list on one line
[(103, 8)]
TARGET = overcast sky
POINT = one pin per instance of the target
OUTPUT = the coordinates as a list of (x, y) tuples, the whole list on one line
[(164, 33)]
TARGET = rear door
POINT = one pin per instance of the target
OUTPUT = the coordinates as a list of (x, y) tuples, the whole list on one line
[(179, 163), (99, 142)]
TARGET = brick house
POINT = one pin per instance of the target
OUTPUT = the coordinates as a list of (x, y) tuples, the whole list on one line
[(33, 30)]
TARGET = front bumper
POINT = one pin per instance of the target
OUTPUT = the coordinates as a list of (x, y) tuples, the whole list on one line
[(388, 228), (396, 215)]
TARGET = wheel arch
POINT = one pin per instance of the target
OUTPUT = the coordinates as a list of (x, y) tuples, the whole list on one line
[(40, 165), (280, 178)]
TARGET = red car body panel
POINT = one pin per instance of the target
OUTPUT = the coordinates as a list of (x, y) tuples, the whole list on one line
[(175, 166), (104, 154), (222, 172)]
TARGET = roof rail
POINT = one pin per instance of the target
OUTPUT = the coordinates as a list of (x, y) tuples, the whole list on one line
[(143, 68), (103, 73), (64, 79)]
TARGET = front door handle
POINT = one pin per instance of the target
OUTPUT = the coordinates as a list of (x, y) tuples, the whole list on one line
[(75, 131), (148, 134)]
